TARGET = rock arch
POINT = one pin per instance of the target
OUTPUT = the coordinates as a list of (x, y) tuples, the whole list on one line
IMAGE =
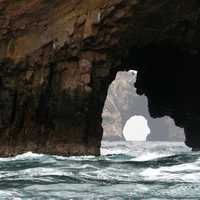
[(122, 103), (59, 57)]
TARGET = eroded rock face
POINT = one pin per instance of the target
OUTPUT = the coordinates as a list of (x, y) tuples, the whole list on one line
[(120, 105), (57, 59)]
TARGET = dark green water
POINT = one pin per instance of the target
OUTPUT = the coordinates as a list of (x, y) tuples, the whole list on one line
[(124, 171)]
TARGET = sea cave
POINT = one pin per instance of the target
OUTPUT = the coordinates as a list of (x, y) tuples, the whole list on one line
[(58, 58)]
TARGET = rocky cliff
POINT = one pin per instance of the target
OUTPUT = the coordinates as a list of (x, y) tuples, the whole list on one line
[(57, 59), (120, 105)]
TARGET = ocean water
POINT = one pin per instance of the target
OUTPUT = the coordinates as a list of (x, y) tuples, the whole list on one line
[(125, 170)]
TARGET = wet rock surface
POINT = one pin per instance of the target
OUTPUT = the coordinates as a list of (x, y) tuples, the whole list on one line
[(57, 59)]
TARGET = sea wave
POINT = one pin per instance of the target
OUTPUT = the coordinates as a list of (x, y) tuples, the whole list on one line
[(113, 151), (124, 170), (24, 156), (150, 156)]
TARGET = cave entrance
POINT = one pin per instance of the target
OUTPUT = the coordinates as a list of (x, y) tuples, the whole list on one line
[(126, 115), (168, 77), (165, 88)]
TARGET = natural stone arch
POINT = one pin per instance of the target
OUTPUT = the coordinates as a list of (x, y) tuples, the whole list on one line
[(59, 57), (122, 103)]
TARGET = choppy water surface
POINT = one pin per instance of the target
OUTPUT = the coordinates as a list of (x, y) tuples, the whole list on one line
[(124, 171)]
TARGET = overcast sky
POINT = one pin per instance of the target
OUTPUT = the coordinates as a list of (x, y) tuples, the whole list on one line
[(136, 129)]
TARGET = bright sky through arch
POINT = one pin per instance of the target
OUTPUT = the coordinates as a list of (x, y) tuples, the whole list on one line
[(136, 129)]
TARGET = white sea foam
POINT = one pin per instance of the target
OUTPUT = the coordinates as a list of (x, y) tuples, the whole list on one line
[(184, 172), (28, 174), (113, 151), (28, 155), (150, 156), (75, 158), (9, 195), (40, 171), (81, 166), (25, 156)]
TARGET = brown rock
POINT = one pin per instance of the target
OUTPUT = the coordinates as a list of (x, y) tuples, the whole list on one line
[(74, 49), (84, 66)]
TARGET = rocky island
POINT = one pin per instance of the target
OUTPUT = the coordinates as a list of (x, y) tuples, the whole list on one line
[(58, 58)]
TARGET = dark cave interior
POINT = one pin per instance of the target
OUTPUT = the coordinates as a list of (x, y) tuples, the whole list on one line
[(169, 77)]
